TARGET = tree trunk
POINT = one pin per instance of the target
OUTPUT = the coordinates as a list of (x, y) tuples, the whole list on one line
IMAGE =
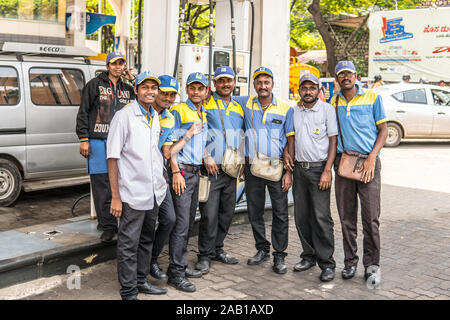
[(344, 54), (314, 9)]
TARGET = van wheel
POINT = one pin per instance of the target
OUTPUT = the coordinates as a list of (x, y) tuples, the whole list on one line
[(10, 182), (395, 134)]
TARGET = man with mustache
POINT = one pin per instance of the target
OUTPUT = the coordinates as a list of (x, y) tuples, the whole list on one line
[(137, 185), (362, 122), (167, 93), (184, 176), (269, 125), (225, 117), (315, 150)]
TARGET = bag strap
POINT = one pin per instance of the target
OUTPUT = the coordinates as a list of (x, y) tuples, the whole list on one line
[(338, 122), (221, 120), (253, 127)]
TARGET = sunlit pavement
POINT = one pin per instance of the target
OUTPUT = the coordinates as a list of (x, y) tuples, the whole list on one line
[(415, 257)]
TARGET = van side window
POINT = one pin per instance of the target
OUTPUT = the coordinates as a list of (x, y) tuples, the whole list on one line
[(9, 87), (56, 86)]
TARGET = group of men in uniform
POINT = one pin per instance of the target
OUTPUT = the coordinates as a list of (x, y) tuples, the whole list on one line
[(151, 161)]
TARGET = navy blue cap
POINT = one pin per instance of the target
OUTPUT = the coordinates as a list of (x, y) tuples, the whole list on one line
[(197, 77), (141, 77), (308, 77), (262, 70), (224, 72), (168, 84), (345, 65), (114, 56)]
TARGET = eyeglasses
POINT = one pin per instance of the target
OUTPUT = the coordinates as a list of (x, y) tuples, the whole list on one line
[(345, 74)]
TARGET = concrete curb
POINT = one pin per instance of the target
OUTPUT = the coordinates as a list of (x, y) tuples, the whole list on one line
[(57, 261)]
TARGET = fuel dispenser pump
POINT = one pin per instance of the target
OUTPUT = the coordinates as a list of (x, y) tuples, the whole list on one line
[(199, 58)]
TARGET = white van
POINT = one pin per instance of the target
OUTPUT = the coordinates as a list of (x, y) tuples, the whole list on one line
[(40, 93)]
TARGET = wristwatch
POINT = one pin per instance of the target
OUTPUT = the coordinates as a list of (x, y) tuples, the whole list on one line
[(186, 138)]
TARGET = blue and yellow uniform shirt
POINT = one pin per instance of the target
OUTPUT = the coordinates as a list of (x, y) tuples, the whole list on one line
[(272, 127), (148, 115), (185, 114), (167, 123), (359, 119), (233, 121)]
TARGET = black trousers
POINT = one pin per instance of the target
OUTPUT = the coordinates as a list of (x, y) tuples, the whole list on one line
[(313, 217), (166, 222), (216, 215), (347, 192), (101, 193), (185, 208), (255, 190), (134, 247)]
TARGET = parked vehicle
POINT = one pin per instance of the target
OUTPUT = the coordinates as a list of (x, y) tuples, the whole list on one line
[(418, 111), (39, 101)]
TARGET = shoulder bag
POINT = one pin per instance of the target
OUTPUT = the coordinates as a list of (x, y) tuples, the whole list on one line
[(351, 161), (232, 159), (203, 188), (263, 166)]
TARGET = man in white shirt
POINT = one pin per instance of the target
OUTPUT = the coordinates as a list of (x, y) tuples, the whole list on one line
[(315, 150), (135, 167)]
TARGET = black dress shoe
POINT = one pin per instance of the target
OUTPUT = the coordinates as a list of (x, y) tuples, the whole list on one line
[(189, 273), (304, 265), (107, 235), (279, 266), (156, 272), (348, 272), (225, 258), (327, 275), (259, 257), (132, 297), (203, 266), (147, 288), (181, 283)]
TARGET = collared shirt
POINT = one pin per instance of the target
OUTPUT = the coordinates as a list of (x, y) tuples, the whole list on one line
[(167, 124), (312, 129), (134, 143), (185, 115), (272, 127), (233, 121), (359, 119), (148, 114)]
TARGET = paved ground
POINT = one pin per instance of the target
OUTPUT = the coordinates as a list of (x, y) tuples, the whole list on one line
[(44, 206), (415, 257)]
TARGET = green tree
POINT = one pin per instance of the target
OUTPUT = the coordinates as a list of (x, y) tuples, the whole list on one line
[(9, 8)]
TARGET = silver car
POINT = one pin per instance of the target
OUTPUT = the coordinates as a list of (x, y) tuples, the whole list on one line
[(418, 111), (39, 101)]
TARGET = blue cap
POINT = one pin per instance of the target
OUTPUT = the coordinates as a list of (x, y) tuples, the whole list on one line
[(197, 77), (262, 70), (168, 84), (224, 72), (308, 77), (114, 56), (344, 66), (141, 77)]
